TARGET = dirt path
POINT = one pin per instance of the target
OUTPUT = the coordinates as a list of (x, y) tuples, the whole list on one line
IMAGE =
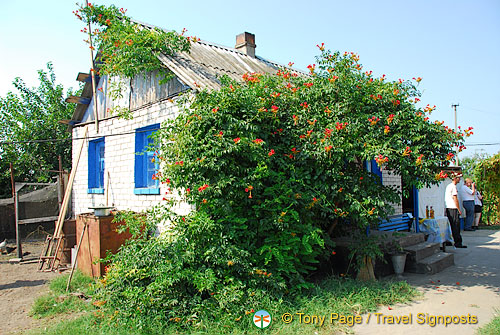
[(20, 284)]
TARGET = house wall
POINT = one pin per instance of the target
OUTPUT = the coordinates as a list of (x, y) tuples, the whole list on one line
[(119, 156), (391, 179), (143, 90), (432, 196)]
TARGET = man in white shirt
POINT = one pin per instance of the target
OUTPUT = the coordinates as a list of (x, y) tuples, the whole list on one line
[(467, 192), (453, 209)]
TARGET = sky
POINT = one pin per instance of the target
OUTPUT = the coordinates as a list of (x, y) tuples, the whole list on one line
[(453, 45)]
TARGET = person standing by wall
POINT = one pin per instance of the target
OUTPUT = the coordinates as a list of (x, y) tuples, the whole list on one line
[(453, 209), (478, 209), (468, 190)]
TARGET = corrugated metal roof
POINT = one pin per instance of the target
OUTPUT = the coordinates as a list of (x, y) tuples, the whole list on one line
[(206, 62)]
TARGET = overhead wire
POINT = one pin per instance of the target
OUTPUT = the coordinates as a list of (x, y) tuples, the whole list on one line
[(481, 144), (71, 139), (135, 132)]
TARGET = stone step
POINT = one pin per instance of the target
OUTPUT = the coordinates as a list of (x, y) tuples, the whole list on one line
[(409, 239), (422, 250), (432, 264)]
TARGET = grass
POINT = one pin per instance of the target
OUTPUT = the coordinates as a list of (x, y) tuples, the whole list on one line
[(344, 296), (492, 328), (58, 301)]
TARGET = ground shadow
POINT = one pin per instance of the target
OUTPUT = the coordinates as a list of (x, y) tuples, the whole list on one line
[(22, 283)]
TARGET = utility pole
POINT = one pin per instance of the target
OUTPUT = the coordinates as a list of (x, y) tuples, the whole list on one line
[(454, 106)]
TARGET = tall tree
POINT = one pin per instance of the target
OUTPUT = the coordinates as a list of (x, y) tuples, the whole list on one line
[(468, 164), (30, 134), (487, 176)]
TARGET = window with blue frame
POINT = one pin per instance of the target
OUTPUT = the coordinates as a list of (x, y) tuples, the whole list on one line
[(372, 166), (96, 166), (145, 163)]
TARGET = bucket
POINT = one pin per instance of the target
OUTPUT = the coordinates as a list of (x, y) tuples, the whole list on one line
[(398, 263)]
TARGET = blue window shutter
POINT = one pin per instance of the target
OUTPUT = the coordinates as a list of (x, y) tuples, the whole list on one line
[(91, 165), (376, 169), (96, 166), (372, 166), (138, 171), (144, 165)]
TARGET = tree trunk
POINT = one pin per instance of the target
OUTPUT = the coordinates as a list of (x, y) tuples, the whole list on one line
[(366, 272)]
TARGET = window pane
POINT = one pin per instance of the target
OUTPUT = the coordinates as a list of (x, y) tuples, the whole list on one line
[(151, 169), (101, 165)]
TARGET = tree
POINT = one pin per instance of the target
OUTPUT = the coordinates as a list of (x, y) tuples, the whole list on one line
[(484, 170), (31, 135), (274, 167), (129, 48), (487, 176), (468, 164), (280, 159)]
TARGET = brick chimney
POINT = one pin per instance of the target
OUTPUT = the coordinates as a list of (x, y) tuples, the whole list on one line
[(245, 43)]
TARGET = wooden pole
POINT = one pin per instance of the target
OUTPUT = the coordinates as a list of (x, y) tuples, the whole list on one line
[(92, 74), (18, 234), (76, 256), (107, 191), (67, 193), (12, 180), (15, 198), (61, 184)]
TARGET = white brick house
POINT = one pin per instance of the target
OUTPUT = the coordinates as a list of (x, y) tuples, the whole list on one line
[(110, 171)]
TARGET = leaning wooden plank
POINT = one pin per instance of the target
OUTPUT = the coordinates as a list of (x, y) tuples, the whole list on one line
[(67, 194), (76, 257), (69, 188)]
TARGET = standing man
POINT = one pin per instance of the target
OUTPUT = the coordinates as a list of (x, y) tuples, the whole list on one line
[(467, 191), (453, 209)]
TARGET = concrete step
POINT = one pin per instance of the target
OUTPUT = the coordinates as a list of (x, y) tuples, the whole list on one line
[(409, 239), (432, 264), (422, 250)]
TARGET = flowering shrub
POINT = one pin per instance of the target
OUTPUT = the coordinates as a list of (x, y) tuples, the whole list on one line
[(298, 140), (274, 166), (128, 48)]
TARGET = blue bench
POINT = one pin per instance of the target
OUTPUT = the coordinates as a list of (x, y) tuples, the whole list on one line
[(401, 222)]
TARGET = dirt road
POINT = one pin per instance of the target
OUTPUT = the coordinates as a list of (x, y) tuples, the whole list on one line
[(20, 284)]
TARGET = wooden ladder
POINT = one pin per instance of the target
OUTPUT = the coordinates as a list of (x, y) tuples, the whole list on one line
[(48, 257)]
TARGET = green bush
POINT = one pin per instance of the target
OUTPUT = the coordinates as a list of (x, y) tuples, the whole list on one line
[(272, 166), (197, 271)]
